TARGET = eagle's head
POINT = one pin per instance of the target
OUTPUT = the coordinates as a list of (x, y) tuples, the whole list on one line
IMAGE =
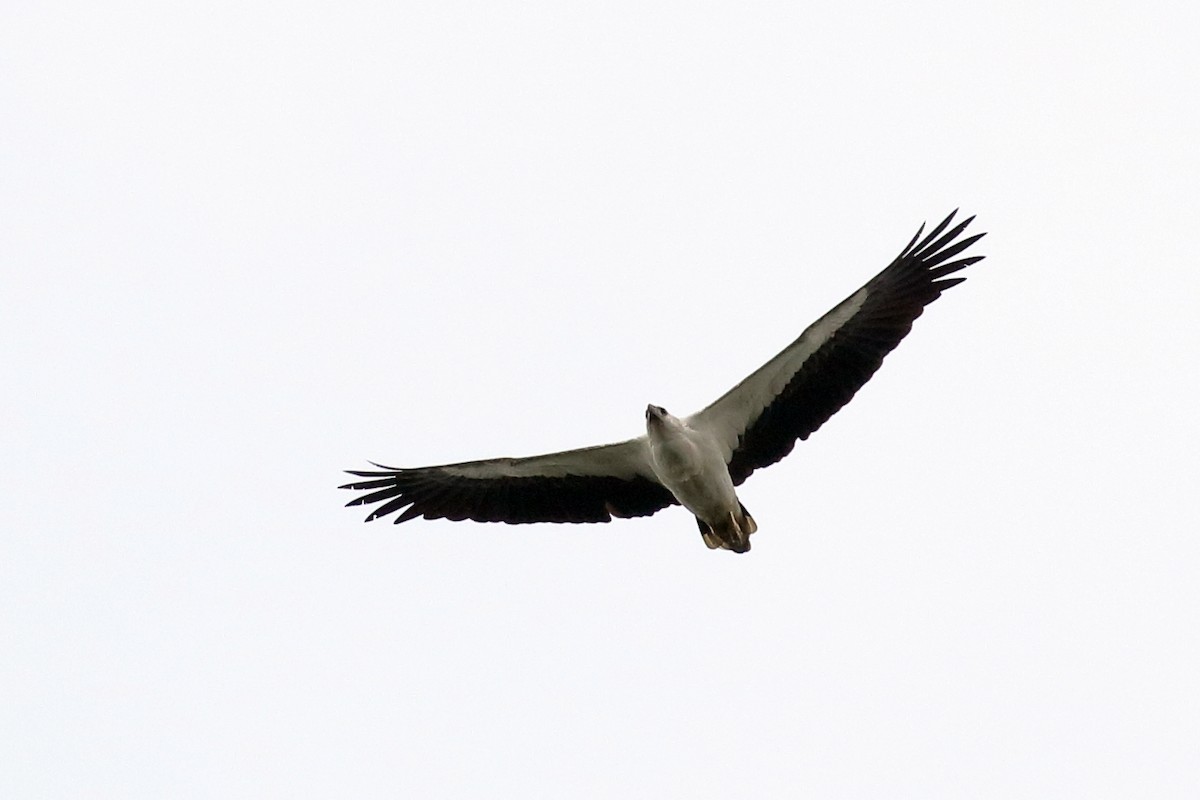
[(656, 415)]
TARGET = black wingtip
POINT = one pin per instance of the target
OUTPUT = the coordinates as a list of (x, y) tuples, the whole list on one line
[(908, 247)]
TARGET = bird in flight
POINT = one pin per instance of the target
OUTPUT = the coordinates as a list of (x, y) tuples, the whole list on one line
[(694, 461)]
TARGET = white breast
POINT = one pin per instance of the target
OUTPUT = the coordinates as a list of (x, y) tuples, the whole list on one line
[(690, 463)]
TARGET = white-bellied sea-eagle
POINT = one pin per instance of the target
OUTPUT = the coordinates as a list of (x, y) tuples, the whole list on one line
[(694, 461)]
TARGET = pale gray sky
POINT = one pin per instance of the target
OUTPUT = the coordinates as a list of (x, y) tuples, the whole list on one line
[(248, 245)]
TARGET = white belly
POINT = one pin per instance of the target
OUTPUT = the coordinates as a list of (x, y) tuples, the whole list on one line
[(692, 467)]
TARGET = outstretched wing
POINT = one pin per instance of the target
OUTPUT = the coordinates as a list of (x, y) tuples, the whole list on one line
[(759, 420), (592, 484)]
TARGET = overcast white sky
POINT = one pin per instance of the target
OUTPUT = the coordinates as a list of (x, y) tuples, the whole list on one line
[(248, 245)]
